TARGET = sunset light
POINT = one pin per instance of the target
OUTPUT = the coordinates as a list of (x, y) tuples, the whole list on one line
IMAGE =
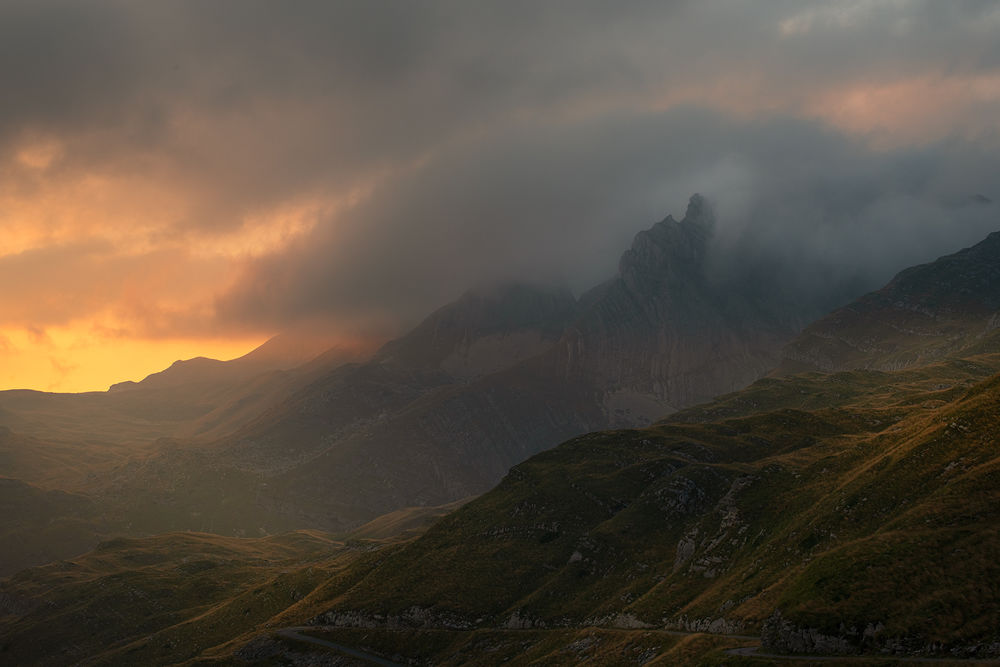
[(83, 358), (207, 190), (477, 332)]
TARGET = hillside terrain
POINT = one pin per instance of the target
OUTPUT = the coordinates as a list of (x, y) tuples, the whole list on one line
[(169, 598), (254, 446), (832, 513), (866, 523), (843, 513), (61, 454)]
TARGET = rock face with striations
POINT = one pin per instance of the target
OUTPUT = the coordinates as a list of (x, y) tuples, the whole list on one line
[(665, 333)]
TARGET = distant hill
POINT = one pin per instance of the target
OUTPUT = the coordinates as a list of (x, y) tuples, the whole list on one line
[(282, 352), (197, 397)]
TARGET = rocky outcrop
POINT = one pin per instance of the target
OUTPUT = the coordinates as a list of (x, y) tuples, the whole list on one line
[(780, 635), (715, 626), (413, 617)]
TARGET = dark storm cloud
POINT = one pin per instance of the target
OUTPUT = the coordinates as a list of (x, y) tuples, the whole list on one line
[(513, 139), (284, 97), (559, 204)]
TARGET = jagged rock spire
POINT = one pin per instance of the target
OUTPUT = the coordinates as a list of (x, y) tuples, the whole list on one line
[(670, 250), (699, 212)]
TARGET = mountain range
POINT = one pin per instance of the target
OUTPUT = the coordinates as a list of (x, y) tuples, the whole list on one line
[(830, 490), (257, 445)]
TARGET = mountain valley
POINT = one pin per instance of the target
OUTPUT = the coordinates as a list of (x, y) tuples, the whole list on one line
[(840, 511)]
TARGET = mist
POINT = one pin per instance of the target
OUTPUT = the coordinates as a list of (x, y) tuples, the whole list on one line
[(558, 204), (233, 170)]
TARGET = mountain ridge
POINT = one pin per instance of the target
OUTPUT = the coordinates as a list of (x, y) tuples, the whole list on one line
[(910, 320), (823, 510), (426, 420), (839, 513)]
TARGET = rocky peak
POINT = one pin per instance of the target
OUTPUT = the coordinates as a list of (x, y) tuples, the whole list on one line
[(699, 213), (662, 335), (670, 252)]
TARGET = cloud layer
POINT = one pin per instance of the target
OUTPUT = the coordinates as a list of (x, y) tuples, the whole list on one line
[(199, 171)]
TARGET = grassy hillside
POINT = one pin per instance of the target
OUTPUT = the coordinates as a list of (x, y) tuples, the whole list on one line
[(163, 599), (174, 597), (867, 523), (850, 512), (39, 525), (864, 517)]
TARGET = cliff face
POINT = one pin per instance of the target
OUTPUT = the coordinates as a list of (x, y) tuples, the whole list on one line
[(665, 333), (925, 313)]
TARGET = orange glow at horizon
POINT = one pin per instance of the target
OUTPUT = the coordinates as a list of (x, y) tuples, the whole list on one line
[(63, 360), (107, 282), (117, 256)]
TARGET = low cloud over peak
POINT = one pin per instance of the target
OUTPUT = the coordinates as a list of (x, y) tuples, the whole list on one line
[(364, 162), (559, 205)]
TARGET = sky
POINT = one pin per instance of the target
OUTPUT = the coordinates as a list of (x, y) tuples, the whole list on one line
[(184, 179)]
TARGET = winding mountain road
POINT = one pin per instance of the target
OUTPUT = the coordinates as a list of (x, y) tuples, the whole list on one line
[(296, 634)]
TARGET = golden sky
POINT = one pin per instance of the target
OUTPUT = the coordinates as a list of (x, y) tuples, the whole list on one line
[(181, 179)]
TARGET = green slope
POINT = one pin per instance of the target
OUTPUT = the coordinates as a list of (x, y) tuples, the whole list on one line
[(852, 512), (163, 599), (879, 511), (865, 517)]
